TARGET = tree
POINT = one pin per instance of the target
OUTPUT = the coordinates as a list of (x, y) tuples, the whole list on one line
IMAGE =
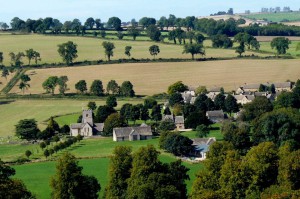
[(81, 86), (16, 59), (43, 145), (154, 50), (5, 72), (221, 41), (202, 131), (30, 54), (113, 121), (127, 51), (23, 86), (126, 89), (231, 105), (125, 112), (281, 44), (111, 101), (153, 33), (146, 22), (62, 83), (200, 102), (193, 49), (103, 33), (156, 113), (256, 108), (109, 47), (220, 101), (28, 153), (175, 98), (46, 153), (177, 87), (178, 144), (167, 111), (92, 105), (97, 88), (69, 182), (135, 113), (112, 87), (149, 102), (240, 50), (199, 38), (166, 125), (133, 31), (68, 52), (120, 35), (103, 112), (119, 171), (144, 114), (27, 129), (12, 188), (115, 23), (195, 119), (1, 58), (90, 22), (50, 84)]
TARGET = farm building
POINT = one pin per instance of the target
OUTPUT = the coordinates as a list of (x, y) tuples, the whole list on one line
[(87, 127), (142, 132)]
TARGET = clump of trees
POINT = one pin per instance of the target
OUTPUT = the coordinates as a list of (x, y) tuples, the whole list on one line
[(155, 179)]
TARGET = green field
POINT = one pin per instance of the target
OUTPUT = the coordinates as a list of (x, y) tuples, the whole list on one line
[(266, 46), (91, 48), (275, 17), (14, 110)]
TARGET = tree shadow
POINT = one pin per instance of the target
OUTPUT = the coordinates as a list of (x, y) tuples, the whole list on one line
[(6, 102)]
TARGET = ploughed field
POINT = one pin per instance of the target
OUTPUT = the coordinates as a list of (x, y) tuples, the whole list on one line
[(153, 78)]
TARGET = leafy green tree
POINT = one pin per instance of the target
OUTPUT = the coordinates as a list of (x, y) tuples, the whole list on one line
[(178, 144), (221, 41), (81, 86), (46, 153), (195, 119), (154, 50), (256, 108), (119, 172), (114, 22), (278, 126), (193, 49), (111, 101), (50, 84), (126, 89), (149, 102), (166, 125), (92, 105), (98, 24), (177, 87), (12, 188), (68, 52), (285, 100), (23, 86), (114, 120), (146, 22), (281, 44), (167, 111), (32, 54), (202, 131), (103, 112), (113, 87), (220, 101), (199, 38), (16, 59), (125, 111), (135, 113), (200, 102), (153, 32), (175, 98), (69, 182), (156, 113), (43, 145), (120, 35), (103, 33), (62, 83), (27, 129), (89, 23), (144, 114), (1, 58), (127, 51), (134, 32), (97, 88), (240, 49), (4, 73), (231, 105), (28, 153), (108, 47)]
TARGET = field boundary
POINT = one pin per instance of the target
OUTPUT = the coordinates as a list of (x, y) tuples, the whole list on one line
[(13, 81)]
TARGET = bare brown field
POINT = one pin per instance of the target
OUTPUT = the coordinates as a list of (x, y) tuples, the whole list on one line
[(4, 81), (152, 78), (269, 38), (294, 23)]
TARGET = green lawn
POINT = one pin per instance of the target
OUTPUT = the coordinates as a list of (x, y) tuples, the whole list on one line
[(36, 176)]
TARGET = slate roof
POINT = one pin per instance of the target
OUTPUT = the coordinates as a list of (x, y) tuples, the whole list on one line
[(179, 120), (168, 117), (251, 86), (240, 97), (126, 131), (219, 114), (77, 126), (99, 126), (281, 84), (202, 144)]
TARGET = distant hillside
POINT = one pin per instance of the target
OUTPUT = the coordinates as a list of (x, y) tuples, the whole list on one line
[(275, 17)]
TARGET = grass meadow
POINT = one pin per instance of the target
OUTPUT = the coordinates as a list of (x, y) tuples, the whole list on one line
[(275, 17), (153, 78), (90, 48), (14, 110)]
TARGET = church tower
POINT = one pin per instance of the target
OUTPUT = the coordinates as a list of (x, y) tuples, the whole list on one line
[(87, 117)]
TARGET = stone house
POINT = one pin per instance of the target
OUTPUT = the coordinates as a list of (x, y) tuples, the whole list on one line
[(87, 127), (142, 132), (201, 146), (178, 121), (244, 99), (216, 116)]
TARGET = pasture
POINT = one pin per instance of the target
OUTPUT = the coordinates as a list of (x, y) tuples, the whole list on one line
[(153, 78), (90, 48), (14, 110), (275, 17)]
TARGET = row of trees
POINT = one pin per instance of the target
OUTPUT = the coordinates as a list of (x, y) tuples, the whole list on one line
[(16, 58)]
